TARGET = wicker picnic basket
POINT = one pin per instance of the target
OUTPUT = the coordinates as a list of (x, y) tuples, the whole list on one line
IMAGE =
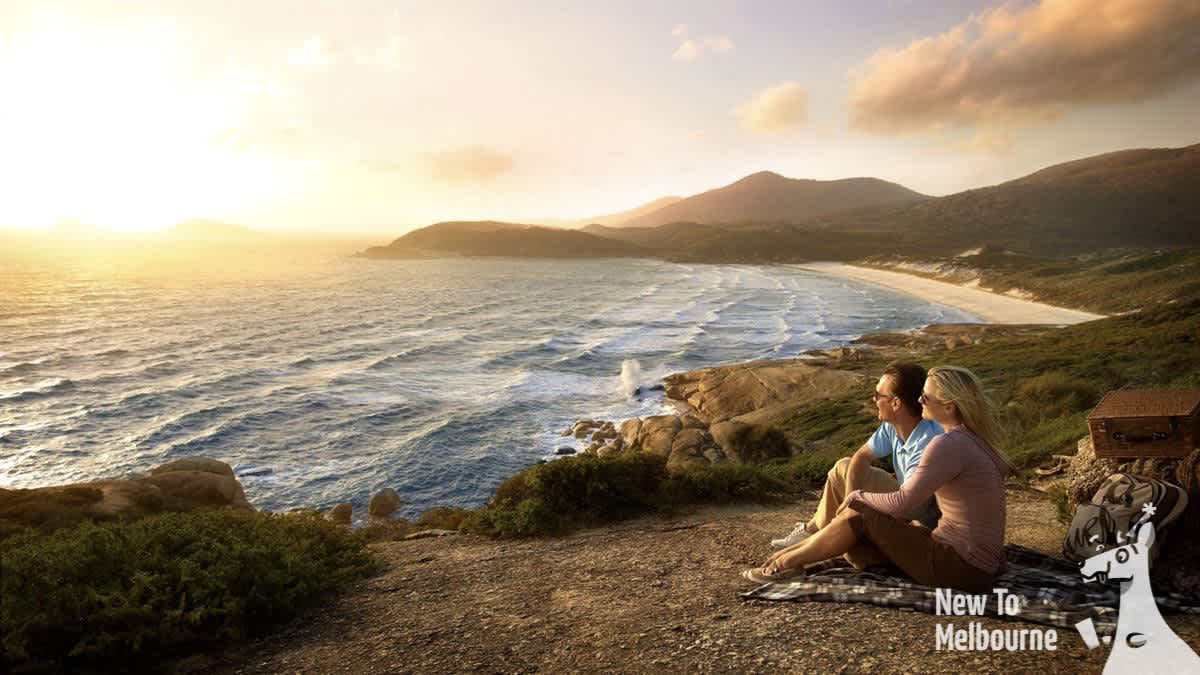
[(1146, 423)]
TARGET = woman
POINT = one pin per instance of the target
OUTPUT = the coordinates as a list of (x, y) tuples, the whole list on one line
[(962, 467)]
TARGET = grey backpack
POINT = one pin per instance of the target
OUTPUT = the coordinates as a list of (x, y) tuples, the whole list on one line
[(1122, 502)]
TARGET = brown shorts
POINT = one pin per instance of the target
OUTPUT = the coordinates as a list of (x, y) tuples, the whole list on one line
[(912, 548)]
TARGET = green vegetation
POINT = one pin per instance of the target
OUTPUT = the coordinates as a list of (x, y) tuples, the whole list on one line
[(126, 595), (558, 496), (1063, 509), (1112, 281), (1045, 385)]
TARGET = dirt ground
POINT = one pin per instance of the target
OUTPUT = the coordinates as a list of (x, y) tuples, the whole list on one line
[(649, 595)]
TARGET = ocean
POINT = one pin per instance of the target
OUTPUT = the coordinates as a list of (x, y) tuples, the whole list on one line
[(323, 378)]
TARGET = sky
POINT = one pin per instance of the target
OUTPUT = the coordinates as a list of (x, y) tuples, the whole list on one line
[(385, 116)]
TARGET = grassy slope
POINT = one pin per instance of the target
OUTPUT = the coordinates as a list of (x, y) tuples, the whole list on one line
[(1107, 282)]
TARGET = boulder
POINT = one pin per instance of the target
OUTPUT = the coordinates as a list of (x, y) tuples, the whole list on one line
[(692, 422), (658, 442), (691, 441), (118, 496), (604, 434), (630, 430), (611, 449), (204, 464), (384, 503), (342, 514), (656, 434), (685, 456), (183, 490)]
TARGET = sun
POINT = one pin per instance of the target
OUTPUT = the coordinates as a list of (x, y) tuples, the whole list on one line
[(104, 126)]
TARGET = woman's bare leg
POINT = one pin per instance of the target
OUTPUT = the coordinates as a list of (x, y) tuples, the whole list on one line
[(831, 541)]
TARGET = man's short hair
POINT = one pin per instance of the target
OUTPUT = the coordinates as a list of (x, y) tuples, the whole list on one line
[(908, 380)]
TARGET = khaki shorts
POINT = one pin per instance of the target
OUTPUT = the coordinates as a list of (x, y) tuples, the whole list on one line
[(913, 549)]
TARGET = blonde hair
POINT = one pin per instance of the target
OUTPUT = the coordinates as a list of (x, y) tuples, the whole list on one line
[(961, 387)]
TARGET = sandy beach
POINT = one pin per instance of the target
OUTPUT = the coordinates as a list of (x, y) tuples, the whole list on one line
[(991, 307)]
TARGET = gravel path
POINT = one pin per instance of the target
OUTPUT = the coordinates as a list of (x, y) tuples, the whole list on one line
[(645, 596)]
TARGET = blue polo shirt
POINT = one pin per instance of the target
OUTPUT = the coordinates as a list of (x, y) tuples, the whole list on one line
[(906, 456)]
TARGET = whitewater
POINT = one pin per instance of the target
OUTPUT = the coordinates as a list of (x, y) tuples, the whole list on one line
[(323, 378)]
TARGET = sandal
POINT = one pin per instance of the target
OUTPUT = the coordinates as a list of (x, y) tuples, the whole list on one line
[(760, 575)]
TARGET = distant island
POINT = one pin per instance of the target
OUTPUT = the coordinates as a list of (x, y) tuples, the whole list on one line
[(490, 238)]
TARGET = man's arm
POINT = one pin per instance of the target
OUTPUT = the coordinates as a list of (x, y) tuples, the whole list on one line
[(860, 462)]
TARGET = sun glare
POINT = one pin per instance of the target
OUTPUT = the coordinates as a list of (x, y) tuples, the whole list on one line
[(103, 126)]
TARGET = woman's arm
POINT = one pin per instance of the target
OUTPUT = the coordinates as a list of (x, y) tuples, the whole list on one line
[(940, 462)]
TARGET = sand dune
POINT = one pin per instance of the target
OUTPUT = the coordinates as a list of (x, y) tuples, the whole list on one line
[(991, 307)]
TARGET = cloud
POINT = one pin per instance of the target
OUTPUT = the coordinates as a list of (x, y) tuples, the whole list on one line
[(316, 52), (688, 51), (779, 109), (394, 53), (692, 49), (719, 44), (1015, 66), (468, 165)]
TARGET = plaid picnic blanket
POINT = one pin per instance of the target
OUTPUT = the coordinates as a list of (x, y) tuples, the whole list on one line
[(1051, 591)]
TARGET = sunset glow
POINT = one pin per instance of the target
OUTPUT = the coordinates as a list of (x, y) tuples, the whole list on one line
[(383, 117)]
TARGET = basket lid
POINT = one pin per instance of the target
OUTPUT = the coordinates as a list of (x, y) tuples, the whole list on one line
[(1147, 403)]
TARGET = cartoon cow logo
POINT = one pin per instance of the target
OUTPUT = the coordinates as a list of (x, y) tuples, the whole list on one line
[(1144, 643)]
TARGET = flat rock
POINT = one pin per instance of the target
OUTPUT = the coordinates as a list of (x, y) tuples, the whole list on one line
[(427, 534)]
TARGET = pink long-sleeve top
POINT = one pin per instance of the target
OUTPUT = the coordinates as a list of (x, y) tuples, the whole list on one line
[(969, 484)]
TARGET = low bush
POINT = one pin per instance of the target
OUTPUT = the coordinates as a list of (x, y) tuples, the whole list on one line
[(552, 497), (1056, 394), (555, 497), (1063, 509), (722, 483), (124, 595)]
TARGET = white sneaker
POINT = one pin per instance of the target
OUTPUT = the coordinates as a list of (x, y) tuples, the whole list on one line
[(798, 535)]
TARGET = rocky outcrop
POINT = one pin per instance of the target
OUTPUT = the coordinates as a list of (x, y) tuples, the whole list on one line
[(731, 413), (722, 393), (181, 485)]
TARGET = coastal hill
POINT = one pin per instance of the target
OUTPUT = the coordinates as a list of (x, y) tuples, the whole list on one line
[(767, 197), (623, 218), (1143, 197), (491, 238)]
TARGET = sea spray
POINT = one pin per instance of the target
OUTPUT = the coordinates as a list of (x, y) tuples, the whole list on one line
[(631, 378)]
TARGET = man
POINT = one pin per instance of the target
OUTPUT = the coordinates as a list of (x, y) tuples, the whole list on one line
[(902, 434)]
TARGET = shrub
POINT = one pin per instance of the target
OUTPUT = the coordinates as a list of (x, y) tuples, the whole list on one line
[(548, 498), (1056, 394), (1062, 505), (121, 595), (442, 518), (721, 483)]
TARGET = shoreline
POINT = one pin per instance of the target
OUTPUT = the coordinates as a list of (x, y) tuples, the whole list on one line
[(988, 306)]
